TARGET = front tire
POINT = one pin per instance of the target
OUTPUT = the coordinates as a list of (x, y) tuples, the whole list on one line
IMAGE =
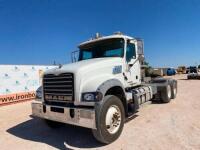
[(110, 118)]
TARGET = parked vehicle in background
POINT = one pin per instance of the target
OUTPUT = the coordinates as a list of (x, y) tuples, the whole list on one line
[(193, 69), (171, 71), (187, 70), (193, 73), (181, 70), (104, 88)]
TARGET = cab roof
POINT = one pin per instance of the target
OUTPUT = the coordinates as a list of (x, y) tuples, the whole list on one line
[(104, 38)]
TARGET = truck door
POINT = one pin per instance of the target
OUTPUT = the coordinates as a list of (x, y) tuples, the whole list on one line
[(132, 64)]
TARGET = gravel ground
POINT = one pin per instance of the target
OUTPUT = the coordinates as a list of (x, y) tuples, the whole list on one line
[(175, 125)]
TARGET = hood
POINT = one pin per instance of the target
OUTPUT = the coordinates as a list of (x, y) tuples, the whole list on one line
[(86, 64)]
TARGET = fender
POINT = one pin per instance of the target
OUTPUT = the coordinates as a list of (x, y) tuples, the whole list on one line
[(105, 86), (101, 83)]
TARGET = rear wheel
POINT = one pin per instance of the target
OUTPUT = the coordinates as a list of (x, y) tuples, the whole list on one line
[(166, 94), (109, 119), (174, 90)]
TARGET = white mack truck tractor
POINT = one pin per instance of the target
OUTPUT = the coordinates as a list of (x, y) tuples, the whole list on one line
[(103, 88)]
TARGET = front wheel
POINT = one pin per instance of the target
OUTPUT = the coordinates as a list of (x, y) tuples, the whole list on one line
[(110, 118)]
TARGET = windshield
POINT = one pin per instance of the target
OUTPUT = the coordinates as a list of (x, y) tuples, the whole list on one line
[(104, 48)]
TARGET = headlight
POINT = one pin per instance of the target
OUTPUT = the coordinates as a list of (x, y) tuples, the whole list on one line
[(39, 93), (92, 96), (89, 97)]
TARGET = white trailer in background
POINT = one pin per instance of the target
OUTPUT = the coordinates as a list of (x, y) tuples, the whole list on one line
[(19, 82)]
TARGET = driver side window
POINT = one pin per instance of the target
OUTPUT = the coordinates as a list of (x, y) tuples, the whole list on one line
[(130, 52)]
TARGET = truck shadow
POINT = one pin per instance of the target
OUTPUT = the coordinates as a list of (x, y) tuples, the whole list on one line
[(66, 137)]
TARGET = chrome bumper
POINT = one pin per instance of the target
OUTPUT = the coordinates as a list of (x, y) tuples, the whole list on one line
[(82, 117)]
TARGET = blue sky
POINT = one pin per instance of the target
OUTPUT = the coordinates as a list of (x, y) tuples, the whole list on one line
[(41, 31)]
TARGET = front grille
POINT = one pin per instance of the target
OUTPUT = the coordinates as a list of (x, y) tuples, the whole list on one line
[(59, 88)]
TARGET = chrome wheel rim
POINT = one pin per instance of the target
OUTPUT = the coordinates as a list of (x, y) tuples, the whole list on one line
[(113, 119)]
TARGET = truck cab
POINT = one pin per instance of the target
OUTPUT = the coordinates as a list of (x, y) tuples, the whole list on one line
[(124, 48), (102, 88)]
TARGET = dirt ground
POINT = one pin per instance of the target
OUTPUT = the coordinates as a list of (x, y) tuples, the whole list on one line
[(175, 125)]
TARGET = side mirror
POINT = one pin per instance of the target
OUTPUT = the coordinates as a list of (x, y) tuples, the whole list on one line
[(140, 45), (140, 50)]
